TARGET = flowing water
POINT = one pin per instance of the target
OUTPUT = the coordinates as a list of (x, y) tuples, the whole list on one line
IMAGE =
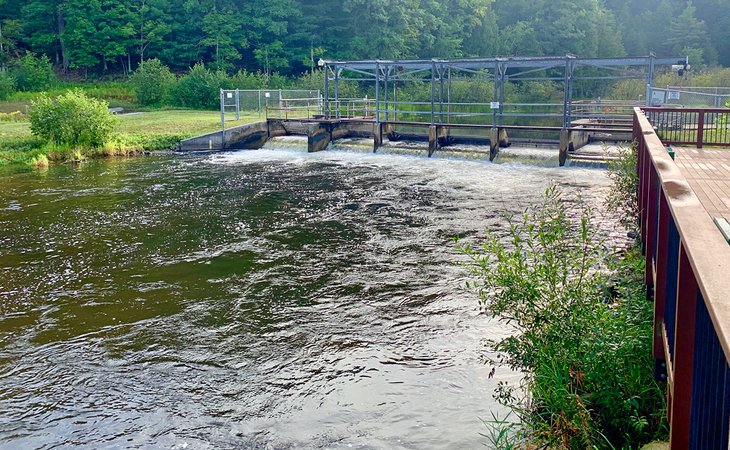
[(261, 299)]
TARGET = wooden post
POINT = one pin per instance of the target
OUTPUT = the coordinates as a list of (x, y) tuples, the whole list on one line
[(681, 388)]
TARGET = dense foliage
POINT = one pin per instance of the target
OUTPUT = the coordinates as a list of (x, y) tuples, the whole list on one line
[(152, 82), (72, 119), (289, 36), (7, 85), (32, 73), (583, 330)]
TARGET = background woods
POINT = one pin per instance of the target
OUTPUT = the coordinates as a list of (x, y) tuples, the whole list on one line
[(108, 37)]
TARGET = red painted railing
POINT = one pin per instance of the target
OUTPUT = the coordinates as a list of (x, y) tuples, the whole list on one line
[(698, 127), (688, 277)]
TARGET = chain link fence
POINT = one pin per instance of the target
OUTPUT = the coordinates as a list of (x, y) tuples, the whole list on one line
[(274, 103), (696, 97)]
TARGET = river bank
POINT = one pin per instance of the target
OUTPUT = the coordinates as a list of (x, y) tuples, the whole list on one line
[(136, 133)]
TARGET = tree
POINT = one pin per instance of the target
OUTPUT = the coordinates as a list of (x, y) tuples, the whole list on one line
[(43, 28), (151, 24), (687, 34), (222, 32), (152, 82)]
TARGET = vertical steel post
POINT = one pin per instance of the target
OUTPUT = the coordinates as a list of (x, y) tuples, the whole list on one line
[(566, 87), (494, 97), (433, 92), (570, 94), (441, 94), (386, 75), (502, 79), (650, 80), (238, 104), (337, 92), (320, 109), (395, 100), (326, 111), (448, 97), (223, 113), (377, 92)]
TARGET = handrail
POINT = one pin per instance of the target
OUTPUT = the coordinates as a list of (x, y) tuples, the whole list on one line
[(693, 126), (688, 276)]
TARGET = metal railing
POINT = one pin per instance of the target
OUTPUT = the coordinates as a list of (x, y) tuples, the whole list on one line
[(296, 108), (691, 96), (261, 101), (688, 276), (698, 127)]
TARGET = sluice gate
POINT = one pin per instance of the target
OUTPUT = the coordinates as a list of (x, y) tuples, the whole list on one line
[(320, 133)]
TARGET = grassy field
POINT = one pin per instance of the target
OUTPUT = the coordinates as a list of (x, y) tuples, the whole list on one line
[(117, 94), (146, 131)]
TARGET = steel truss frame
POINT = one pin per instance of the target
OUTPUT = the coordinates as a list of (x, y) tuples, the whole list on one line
[(440, 72)]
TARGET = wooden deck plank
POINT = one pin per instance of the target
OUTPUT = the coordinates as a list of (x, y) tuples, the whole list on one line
[(708, 173)]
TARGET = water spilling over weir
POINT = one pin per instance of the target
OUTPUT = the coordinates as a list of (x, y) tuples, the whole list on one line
[(255, 299)]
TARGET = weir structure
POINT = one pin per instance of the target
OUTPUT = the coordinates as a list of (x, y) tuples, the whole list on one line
[(451, 101)]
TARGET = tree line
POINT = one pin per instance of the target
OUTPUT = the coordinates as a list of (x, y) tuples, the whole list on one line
[(101, 37)]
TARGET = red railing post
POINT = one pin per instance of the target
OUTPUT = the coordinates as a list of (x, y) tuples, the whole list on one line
[(649, 222), (660, 274), (700, 128), (681, 388)]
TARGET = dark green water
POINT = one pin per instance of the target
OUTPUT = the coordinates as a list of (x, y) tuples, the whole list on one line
[(268, 299)]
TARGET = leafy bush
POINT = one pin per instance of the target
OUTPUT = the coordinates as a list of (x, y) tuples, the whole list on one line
[(73, 119), (32, 73), (623, 198), (585, 347), (7, 85), (199, 88), (152, 82), (248, 80)]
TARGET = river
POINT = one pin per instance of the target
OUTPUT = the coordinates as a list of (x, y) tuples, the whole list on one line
[(256, 299)]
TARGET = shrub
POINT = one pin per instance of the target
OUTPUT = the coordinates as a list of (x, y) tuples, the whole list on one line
[(585, 348), (152, 82), (7, 85), (32, 73), (248, 80), (199, 88), (623, 198), (73, 119)]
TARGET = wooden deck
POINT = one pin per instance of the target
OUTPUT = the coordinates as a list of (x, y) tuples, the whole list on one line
[(708, 172)]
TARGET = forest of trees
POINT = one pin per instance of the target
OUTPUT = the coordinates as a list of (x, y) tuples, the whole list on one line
[(106, 37)]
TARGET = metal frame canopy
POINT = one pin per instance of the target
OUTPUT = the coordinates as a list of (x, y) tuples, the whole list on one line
[(501, 70)]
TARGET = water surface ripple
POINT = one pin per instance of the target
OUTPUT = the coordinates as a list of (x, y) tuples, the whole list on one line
[(264, 299)]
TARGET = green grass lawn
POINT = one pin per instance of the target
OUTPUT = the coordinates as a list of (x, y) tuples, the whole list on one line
[(146, 131), (192, 123)]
